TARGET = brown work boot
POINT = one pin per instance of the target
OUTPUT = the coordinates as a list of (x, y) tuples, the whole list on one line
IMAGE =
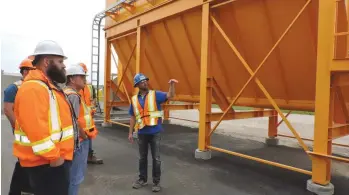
[(92, 159)]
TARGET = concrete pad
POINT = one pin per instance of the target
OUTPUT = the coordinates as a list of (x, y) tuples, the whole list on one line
[(320, 189), (204, 155), (104, 124), (271, 141)]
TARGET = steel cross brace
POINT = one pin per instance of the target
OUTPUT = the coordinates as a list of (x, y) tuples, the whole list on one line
[(247, 66)]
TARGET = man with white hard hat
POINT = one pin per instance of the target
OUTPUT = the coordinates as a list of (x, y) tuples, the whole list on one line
[(45, 130), (76, 80)]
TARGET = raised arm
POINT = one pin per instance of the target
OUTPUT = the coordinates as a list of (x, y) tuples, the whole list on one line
[(171, 91)]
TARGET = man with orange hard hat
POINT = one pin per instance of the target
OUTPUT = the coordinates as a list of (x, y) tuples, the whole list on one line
[(20, 180), (46, 132), (89, 95)]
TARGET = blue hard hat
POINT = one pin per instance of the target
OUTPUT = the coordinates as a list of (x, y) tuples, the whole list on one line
[(139, 78)]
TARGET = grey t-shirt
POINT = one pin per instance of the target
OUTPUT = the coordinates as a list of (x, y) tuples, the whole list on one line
[(75, 102)]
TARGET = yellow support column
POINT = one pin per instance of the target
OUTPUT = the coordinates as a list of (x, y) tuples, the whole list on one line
[(321, 167), (138, 64), (138, 50), (107, 84), (138, 54), (205, 87)]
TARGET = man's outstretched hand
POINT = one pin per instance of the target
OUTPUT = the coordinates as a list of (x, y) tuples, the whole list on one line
[(173, 81)]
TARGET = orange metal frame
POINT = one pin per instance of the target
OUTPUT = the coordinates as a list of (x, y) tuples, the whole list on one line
[(329, 124)]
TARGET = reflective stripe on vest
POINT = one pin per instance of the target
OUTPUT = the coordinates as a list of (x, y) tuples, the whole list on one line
[(18, 83), (86, 110), (147, 116), (90, 88), (57, 133)]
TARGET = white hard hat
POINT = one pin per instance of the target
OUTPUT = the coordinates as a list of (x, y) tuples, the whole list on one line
[(48, 47), (75, 70)]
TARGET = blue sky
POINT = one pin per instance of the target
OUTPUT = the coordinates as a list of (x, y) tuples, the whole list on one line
[(24, 23)]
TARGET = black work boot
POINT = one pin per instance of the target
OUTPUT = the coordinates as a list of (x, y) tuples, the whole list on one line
[(92, 159)]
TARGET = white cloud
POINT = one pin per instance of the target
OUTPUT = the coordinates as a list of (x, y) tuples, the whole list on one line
[(24, 23)]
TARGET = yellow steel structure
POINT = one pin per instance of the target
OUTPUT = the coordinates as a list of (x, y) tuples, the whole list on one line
[(267, 54)]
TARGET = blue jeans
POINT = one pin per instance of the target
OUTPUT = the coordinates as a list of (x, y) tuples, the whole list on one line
[(89, 145), (78, 167)]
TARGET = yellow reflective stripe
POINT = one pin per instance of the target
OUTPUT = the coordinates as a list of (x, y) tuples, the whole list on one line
[(22, 140), (54, 109), (156, 114), (23, 144), (19, 132), (135, 107), (87, 115), (139, 124), (68, 132), (91, 91), (43, 146), (54, 119), (151, 106), (151, 100)]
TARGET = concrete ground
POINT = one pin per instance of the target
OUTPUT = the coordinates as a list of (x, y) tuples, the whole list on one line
[(182, 174)]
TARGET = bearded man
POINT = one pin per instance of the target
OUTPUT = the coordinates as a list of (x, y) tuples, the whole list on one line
[(45, 128)]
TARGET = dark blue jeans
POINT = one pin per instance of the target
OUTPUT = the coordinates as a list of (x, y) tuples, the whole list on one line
[(152, 140)]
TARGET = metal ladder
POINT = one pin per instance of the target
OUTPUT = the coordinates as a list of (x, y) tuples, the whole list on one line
[(95, 50)]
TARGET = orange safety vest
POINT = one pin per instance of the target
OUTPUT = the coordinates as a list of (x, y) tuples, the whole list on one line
[(149, 115), (85, 119), (44, 125), (87, 95)]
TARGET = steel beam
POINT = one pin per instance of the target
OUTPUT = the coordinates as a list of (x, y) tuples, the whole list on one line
[(107, 73), (242, 115), (180, 107), (205, 72), (338, 131), (118, 103), (325, 53), (340, 66)]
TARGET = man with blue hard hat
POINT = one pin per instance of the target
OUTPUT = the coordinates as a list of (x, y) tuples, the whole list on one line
[(146, 119)]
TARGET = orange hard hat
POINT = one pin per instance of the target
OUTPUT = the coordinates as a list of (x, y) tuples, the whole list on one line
[(83, 66), (26, 63)]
